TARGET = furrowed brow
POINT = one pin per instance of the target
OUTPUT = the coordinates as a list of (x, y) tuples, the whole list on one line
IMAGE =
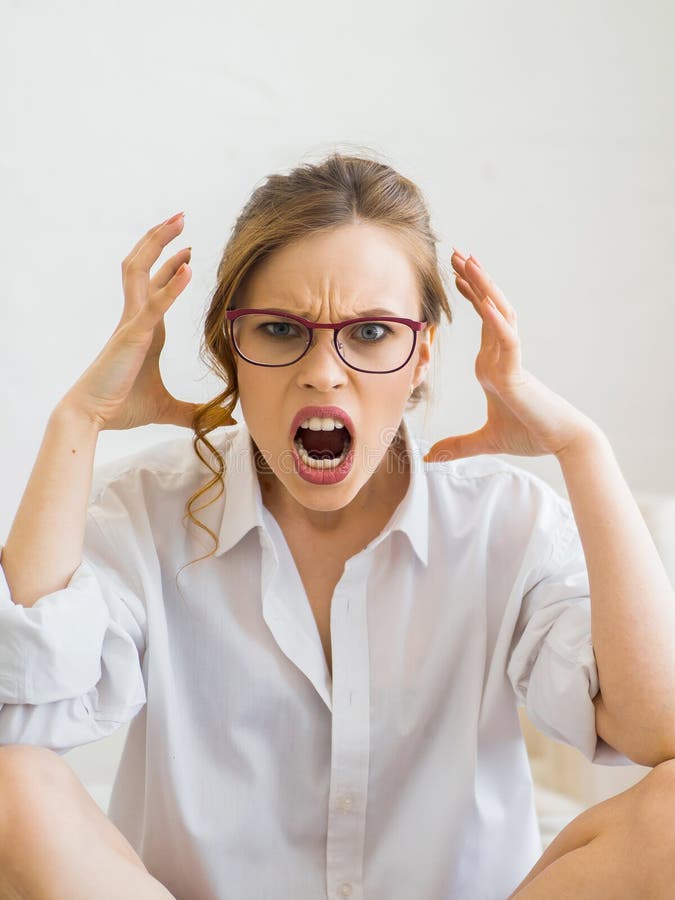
[(306, 313)]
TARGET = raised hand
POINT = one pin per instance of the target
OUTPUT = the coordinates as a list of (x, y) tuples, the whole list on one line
[(123, 386), (524, 417)]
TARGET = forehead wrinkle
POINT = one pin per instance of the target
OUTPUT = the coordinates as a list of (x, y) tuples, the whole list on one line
[(341, 317), (292, 291), (329, 291)]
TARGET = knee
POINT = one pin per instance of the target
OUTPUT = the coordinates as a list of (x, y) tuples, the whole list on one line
[(31, 778), (654, 809), (26, 762)]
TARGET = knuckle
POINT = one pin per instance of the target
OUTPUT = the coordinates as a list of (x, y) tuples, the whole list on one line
[(156, 301)]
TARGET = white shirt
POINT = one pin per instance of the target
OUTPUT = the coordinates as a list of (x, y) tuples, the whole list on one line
[(247, 772)]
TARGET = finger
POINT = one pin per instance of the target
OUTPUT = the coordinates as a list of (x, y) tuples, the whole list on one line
[(467, 291), (136, 265), (489, 334), (487, 331), (458, 262), (505, 333), (161, 278), (149, 234), (463, 284), (484, 286), (159, 302), (474, 443), (481, 283)]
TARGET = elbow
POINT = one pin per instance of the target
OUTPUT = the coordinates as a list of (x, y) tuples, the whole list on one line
[(644, 746)]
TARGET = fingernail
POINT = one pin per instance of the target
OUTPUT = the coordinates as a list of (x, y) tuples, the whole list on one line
[(174, 218)]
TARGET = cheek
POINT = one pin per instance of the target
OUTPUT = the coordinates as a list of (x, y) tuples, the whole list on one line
[(262, 404), (398, 390)]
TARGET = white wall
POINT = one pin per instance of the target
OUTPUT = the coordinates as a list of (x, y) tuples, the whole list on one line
[(542, 134)]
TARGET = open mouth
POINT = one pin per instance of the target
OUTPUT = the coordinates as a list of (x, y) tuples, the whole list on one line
[(321, 449)]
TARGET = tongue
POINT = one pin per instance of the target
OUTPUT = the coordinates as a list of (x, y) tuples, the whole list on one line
[(323, 444)]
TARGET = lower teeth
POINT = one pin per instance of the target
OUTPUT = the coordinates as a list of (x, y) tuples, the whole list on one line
[(321, 463)]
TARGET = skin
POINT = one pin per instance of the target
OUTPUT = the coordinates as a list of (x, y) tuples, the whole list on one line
[(333, 276)]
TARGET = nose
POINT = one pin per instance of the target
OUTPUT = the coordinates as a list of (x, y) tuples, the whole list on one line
[(322, 367)]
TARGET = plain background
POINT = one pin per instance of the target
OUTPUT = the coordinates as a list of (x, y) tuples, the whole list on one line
[(542, 135)]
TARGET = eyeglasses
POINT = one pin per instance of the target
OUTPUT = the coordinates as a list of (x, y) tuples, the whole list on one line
[(265, 337)]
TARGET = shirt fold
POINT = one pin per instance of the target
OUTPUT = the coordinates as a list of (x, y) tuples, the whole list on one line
[(70, 665)]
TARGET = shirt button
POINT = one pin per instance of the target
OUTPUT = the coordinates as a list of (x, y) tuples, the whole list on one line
[(347, 804), (345, 889)]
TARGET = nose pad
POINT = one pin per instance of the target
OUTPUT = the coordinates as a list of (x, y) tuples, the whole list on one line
[(322, 367)]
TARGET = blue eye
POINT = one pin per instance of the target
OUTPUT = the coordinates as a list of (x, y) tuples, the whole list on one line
[(371, 325), (282, 325)]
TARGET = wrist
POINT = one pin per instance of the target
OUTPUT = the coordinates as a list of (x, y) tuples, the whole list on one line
[(68, 412), (589, 439)]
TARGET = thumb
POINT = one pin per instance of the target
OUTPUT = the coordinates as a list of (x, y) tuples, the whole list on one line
[(179, 412), (458, 446), (182, 413)]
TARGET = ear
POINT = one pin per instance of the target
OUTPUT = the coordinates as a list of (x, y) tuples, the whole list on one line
[(423, 355)]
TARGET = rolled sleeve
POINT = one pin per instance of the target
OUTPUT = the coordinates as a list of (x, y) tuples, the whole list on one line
[(71, 665), (52, 650), (552, 666)]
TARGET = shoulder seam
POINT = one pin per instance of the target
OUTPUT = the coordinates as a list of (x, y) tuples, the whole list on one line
[(134, 464), (468, 476)]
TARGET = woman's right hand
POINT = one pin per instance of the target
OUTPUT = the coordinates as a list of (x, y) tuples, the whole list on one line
[(123, 386)]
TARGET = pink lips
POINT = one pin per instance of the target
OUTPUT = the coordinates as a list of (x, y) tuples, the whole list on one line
[(321, 412)]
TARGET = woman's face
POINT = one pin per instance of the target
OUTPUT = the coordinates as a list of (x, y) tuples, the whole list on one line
[(329, 277)]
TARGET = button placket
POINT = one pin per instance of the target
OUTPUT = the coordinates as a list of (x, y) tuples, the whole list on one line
[(351, 733), (347, 803)]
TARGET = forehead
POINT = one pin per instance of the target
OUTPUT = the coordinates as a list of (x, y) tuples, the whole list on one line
[(346, 270)]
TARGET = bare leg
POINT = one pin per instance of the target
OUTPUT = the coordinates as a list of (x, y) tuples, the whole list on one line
[(619, 849), (55, 842)]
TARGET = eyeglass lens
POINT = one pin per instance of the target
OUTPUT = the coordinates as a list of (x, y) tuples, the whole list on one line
[(375, 346)]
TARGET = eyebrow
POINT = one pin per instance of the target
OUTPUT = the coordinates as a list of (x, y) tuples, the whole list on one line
[(305, 313)]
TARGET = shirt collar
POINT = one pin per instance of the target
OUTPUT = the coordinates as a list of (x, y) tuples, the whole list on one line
[(243, 506)]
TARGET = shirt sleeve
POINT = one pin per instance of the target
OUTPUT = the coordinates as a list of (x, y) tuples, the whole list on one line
[(71, 665), (552, 666)]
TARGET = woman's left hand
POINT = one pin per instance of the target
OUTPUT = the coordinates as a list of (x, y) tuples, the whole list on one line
[(524, 417)]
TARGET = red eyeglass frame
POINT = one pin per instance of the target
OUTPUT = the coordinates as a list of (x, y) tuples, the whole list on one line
[(414, 325)]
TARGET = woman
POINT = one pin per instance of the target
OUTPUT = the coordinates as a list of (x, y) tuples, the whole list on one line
[(325, 704)]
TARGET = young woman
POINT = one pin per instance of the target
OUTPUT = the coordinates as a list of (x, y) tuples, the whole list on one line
[(324, 704)]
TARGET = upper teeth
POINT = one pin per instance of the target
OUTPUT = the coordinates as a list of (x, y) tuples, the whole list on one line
[(317, 424)]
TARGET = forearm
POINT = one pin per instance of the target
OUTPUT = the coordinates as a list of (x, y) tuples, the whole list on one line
[(632, 599), (45, 542)]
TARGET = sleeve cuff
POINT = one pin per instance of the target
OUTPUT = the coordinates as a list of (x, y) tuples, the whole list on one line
[(52, 650), (562, 685)]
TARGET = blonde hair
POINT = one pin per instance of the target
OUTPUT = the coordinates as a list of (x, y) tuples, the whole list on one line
[(339, 190)]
